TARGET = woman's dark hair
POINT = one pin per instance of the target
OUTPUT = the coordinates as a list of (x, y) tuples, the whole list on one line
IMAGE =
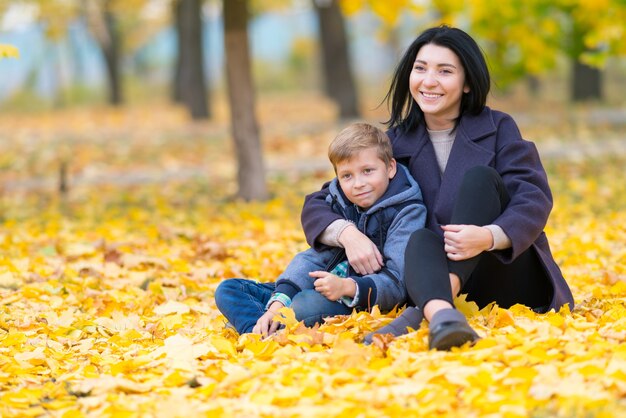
[(405, 113)]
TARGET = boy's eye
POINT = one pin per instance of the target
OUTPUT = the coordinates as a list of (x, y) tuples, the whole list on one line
[(345, 176), (368, 170)]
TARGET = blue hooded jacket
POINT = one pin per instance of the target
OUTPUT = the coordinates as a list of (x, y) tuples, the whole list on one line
[(388, 223)]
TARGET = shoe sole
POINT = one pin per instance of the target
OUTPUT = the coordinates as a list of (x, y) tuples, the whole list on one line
[(453, 338)]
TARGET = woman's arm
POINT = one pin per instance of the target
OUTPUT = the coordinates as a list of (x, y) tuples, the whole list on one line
[(525, 179), (317, 215), (361, 252)]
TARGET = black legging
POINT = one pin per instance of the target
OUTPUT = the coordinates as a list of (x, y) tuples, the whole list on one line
[(481, 199)]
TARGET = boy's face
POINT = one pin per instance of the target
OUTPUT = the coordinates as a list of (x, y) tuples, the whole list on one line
[(364, 177)]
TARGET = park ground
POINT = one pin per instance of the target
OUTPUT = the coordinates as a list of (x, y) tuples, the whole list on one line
[(117, 226)]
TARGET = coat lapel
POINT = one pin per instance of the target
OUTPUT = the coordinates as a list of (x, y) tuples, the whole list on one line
[(423, 164), (465, 154)]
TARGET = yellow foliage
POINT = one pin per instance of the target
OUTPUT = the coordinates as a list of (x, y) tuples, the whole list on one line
[(350, 7), (106, 300), (520, 37), (9, 51)]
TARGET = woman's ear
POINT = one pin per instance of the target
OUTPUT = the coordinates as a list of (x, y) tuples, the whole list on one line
[(466, 89)]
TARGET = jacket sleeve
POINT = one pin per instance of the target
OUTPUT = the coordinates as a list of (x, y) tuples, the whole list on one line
[(386, 287), (296, 277), (316, 216), (525, 179)]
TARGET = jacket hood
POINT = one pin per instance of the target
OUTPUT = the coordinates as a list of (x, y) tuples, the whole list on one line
[(402, 187)]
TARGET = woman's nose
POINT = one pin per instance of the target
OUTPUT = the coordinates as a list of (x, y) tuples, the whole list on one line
[(430, 79)]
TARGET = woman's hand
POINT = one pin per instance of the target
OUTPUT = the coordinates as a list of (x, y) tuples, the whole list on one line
[(266, 325), (333, 287), (466, 241), (362, 253)]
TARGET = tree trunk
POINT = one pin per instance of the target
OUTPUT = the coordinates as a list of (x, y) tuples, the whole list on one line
[(190, 82), (338, 78), (104, 28), (586, 82), (251, 172), (177, 95), (534, 85), (112, 56)]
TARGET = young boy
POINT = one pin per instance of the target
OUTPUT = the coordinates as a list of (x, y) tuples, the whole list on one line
[(374, 194)]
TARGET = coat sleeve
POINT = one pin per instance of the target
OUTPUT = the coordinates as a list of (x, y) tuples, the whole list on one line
[(525, 179), (386, 288), (316, 216)]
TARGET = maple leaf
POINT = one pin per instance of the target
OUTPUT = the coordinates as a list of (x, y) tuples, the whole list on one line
[(382, 341), (181, 352), (172, 306)]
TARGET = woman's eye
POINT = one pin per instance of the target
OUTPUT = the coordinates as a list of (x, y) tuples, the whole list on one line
[(418, 68)]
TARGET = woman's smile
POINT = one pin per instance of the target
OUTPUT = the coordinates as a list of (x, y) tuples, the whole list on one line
[(431, 95)]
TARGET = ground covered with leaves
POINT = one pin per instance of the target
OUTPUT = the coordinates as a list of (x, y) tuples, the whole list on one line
[(106, 294)]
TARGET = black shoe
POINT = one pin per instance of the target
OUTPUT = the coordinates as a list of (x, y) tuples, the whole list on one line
[(451, 334), (411, 317)]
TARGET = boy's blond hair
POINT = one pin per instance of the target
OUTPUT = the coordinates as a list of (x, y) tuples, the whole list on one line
[(358, 137)]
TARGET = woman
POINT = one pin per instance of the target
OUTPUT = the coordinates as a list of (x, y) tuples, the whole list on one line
[(485, 189)]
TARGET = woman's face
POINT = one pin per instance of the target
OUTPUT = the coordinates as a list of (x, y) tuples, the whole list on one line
[(437, 84)]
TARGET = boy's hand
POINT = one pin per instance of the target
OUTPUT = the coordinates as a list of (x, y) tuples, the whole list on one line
[(361, 252), (332, 287), (266, 325)]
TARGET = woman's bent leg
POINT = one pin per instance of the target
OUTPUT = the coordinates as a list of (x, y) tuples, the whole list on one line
[(426, 269), (482, 198), (428, 284), (243, 302), (311, 307)]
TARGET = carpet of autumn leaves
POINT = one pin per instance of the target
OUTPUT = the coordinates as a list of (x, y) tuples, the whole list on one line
[(106, 293)]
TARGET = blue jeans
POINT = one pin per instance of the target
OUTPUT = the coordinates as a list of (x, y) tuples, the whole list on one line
[(243, 302)]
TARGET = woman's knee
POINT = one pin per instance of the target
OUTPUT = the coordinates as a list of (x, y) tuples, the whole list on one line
[(482, 174), (419, 239), (481, 197), (481, 180)]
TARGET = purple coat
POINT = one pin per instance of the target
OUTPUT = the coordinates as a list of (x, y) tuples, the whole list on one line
[(490, 139)]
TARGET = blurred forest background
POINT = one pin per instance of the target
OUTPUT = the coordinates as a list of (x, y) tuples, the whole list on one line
[(266, 72)]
